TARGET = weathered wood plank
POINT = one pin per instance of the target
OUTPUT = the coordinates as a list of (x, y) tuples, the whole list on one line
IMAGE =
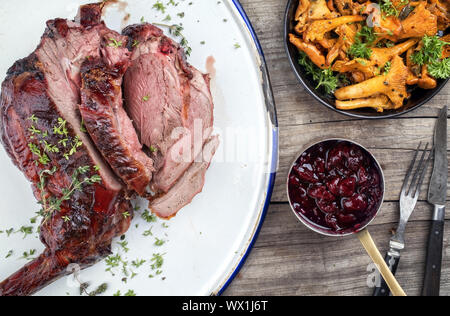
[(295, 105), (289, 259)]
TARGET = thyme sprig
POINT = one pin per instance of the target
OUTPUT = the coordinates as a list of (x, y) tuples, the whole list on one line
[(52, 204)]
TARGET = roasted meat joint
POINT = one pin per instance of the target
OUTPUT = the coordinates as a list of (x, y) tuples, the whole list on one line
[(89, 118)]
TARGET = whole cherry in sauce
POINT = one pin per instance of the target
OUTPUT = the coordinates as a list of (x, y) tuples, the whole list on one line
[(336, 186)]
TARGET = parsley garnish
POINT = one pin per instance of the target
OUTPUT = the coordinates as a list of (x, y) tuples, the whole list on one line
[(359, 50), (324, 77), (366, 35), (388, 8), (440, 69), (430, 52)]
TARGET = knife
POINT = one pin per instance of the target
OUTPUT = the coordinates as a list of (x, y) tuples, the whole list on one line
[(437, 196)]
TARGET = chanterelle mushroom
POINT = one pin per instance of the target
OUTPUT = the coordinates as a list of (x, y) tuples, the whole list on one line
[(378, 59), (393, 85), (420, 22), (382, 55), (319, 10), (316, 30), (379, 103), (309, 49)]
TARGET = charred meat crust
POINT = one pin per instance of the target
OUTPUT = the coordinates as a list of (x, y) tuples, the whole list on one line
[(90, 14), (101, 104), (95, 214), (140, 33), (76, 73), (81, 231)]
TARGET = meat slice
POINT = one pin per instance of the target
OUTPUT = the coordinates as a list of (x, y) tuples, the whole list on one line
[(106, 120), (169, 102), (63, 50), (189, 185), (41, 130)]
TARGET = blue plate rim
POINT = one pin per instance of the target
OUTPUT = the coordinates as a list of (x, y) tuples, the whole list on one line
[(271, 108)]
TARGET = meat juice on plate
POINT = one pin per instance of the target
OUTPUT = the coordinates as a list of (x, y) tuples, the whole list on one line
[(336, 186)]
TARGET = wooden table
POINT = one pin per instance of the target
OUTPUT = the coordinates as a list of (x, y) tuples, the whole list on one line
[(287, 258)]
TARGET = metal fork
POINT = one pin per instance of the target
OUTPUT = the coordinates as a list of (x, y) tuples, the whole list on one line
[(408, 200)]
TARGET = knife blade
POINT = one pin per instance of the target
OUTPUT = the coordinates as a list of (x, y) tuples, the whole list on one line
[(437, 193), (437, 196)]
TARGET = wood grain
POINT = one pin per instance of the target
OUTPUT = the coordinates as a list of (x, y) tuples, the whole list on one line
[(289, 259)]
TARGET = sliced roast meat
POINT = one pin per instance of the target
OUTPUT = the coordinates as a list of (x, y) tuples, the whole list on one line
[(107, 122), (41, 131), (169, 102), (189, 185), (85, 174)]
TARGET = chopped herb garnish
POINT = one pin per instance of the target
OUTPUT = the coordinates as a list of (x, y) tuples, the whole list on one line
[(159, 242), (130, 293), (324, 77), (440, 69), (366, 35), (52, 204), (386, 68), (149, 218), (25, 230), (157, 260), (100, 290), (115, 43), (10, 253), (159, 6), (137, 263), (147, 233), (176, 30), (430, 52), (126, 214), (388, 8), (124, 245), (27, 254), (359, 50), (42, 156)]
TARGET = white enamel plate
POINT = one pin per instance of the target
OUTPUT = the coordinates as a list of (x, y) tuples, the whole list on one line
[(203, 247)]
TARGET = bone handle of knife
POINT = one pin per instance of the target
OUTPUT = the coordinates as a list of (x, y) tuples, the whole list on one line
[(372, 250)]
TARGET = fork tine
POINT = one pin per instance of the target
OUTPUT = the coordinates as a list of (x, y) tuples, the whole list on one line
[(408, 173), (422, 176), (417, 172)]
